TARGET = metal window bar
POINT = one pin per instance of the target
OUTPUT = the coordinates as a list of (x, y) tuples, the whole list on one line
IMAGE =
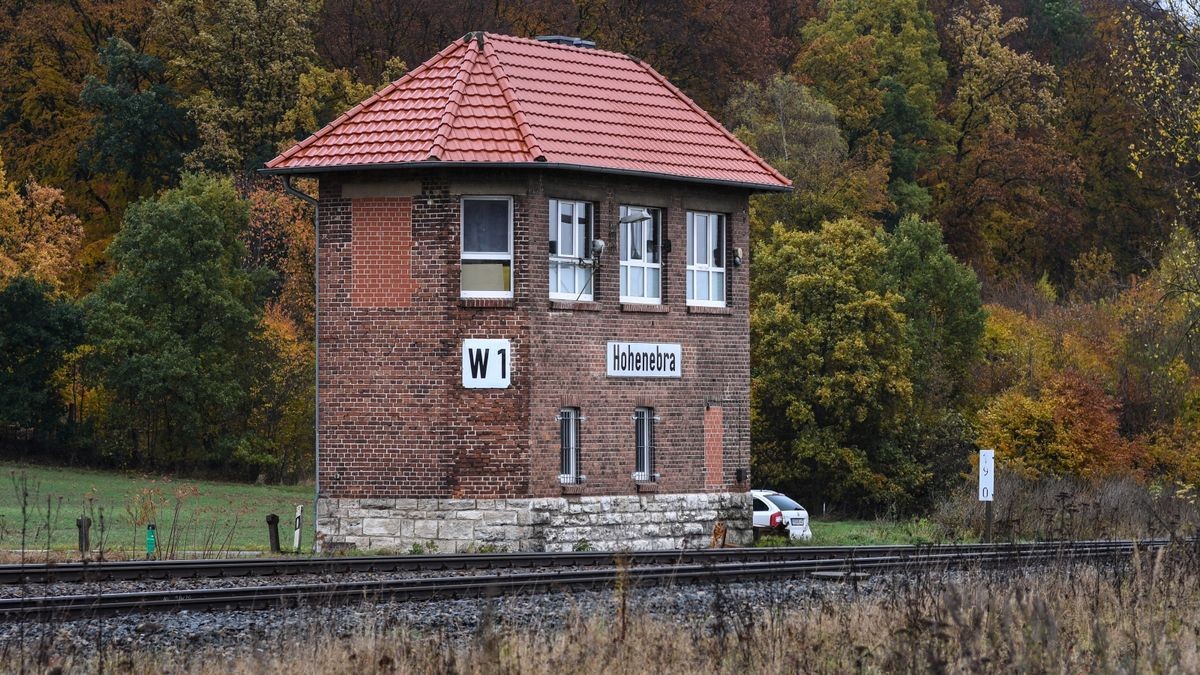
[(569, 421), (643, 430)]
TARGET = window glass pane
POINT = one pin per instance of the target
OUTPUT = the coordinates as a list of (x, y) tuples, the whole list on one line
[(652, 228), (583, 235), (566, 230), (635, 241), (635, 281), (582, 277), (701, 286), (624, 280), (485, 226), (652, 285), (566, 278), (486, 275), (624, 239), (718, 286), (691, 238), (553, 278), (718, 245), (690, 280)]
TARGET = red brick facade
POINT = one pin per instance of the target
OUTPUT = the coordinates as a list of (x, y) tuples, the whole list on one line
[(395, 420)]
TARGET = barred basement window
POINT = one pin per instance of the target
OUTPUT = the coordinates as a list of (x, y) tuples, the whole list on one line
[(486, 247), (706, 259), (568, 434), (643, 431), (641, 266), (570, 250)]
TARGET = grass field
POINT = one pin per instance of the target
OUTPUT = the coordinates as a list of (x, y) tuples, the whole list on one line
[(862, 533), (190, 515)]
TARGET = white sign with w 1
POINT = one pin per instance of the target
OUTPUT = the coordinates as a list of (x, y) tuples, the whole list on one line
[(987, 475), (486, 364)]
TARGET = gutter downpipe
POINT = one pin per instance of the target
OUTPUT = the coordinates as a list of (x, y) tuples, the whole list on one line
[(287, 187)]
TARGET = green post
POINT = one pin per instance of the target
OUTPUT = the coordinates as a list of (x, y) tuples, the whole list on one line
[(151, 541)]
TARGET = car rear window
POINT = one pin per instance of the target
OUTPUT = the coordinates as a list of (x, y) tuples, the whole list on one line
[(784, 502)]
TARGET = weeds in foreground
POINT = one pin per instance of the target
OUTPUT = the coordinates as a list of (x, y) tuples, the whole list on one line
[(1135, 616)]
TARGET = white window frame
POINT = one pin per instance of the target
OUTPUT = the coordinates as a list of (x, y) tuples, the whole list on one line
[(579, 259), (491, 256), (644, 439), (655, 223), (700, 260), (570, 453)]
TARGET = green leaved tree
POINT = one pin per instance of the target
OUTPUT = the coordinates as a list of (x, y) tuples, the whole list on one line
[(176, 331), (829, 367), (37, 330)]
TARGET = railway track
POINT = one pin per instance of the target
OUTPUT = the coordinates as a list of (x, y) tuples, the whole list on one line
[(637, 569), (242, 567)]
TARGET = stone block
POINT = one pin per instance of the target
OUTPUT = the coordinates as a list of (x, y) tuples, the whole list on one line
[(425, 529), (380, 527), (500, 517), (374, 504), (456, 529), (456, 505)]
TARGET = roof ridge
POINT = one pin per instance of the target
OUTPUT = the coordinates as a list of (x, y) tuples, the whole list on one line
[(552, 45), (370, 100), (531, 142), (450, 113), (711, 120)]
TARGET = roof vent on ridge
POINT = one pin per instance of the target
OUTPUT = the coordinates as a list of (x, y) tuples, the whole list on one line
[(567, 40)]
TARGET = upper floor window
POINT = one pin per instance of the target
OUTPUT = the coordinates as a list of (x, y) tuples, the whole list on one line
[(641, 264), (706, 259), (486, 247), (570, 250)]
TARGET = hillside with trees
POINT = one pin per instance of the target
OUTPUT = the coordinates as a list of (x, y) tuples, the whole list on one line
[(992, 241)]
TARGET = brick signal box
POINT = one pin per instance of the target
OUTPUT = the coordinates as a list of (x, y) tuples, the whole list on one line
[(532, 306)]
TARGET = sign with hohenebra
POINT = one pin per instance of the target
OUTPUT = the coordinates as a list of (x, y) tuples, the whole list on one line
[(644, 359)]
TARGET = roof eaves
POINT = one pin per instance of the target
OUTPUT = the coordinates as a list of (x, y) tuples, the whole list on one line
[(531, 142), (369, 101), (784, 180), (586, 168)]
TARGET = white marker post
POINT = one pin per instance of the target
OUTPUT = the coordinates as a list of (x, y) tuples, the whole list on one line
[(299, 524), (987, 489)]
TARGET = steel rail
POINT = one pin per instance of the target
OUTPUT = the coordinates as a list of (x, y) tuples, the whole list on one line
[(64, 607), (243, 567)]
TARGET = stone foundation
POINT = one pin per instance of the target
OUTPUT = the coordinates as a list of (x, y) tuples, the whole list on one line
[(602, 523)]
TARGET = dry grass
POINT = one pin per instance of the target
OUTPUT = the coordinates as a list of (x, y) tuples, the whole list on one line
[(1118, 508), (1140, 618)]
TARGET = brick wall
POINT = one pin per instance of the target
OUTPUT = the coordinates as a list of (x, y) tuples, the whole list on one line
[(395, 420)]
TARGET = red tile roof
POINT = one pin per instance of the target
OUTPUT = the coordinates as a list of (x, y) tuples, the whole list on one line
[(498, 99)]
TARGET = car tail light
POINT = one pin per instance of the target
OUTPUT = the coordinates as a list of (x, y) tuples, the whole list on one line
[(776, 519)]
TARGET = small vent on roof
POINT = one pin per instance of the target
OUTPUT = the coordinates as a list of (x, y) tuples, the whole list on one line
[(568, 41)]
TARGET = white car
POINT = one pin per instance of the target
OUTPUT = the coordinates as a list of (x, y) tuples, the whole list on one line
[(776, 511)]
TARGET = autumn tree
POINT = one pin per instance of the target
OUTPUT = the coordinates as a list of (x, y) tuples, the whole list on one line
[(1161, 73), (798, 133), (239, 64), (39, 237), (48, 49), (829, 361), (1004, 194), (879, 63)]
